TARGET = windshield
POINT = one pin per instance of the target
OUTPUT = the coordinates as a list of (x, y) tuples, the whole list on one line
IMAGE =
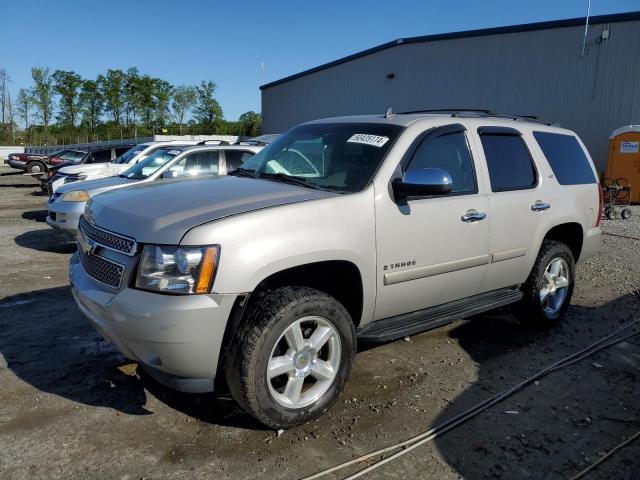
[(342, 157), (151, 164), (127, 156)]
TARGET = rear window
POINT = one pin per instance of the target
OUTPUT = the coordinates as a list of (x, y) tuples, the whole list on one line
[(568, 161), (509, 162)]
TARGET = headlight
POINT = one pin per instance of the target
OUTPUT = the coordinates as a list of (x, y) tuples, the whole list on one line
[(75, 196), (177, 269)]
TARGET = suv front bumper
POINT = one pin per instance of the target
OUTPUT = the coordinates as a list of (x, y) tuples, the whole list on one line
[(176, 338)]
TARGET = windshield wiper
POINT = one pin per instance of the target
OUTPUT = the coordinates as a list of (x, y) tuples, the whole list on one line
[(288, 179), (243, 172)]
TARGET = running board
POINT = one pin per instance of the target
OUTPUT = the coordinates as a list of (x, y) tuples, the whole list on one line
[(433, 317)]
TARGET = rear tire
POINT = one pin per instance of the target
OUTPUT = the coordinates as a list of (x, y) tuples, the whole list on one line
[(626, 213), (274, 370), (36, 167), (548, 290)]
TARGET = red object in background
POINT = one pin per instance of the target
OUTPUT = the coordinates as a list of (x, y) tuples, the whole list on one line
[(55, 160), (601, 200)]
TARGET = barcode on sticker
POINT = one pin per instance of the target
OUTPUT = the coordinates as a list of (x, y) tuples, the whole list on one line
[(366, 139)]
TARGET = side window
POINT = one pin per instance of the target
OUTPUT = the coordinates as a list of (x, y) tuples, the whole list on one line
[(235, 158), (566, 157), (101, 156), (198, 163), (451, 153), (121, 150), (510, 165)]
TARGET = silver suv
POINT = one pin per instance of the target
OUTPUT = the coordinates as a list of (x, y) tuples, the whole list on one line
[(364, 228)]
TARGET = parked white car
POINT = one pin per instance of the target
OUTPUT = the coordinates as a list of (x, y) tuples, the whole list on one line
[(92, 171), (168, 161)]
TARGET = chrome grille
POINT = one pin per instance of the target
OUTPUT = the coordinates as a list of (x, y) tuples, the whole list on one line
[(108, 239), (102, 270)]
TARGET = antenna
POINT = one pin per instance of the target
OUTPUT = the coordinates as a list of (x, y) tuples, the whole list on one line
[(586, 27), (389, 113)]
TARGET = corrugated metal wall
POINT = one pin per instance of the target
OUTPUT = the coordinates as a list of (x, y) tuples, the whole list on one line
[(538, 73)]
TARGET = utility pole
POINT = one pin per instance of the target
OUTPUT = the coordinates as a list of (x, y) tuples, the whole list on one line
[(586, 27)]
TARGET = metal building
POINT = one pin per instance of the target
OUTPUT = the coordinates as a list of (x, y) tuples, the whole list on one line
[(541, 69)]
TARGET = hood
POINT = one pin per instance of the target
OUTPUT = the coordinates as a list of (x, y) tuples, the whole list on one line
[(163, 211), (85, 168), (99, 185)]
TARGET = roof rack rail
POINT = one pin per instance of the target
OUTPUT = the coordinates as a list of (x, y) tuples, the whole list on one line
[(218, 142), (465, 112), (453, 111), (252, 142)]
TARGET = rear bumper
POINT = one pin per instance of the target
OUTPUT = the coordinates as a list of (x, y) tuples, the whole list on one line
[(591, 243), (176, 338)]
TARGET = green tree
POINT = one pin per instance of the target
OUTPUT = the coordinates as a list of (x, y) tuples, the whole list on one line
[(162, 91), (182, 101), (43, 94), (112, 90), (250, 123), (145, 101), (131, 107), (91, 102), (67, 85), (25, 104), (207, 110), (4, 90)]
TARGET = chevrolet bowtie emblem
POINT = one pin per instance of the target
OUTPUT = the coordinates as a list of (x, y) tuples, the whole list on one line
[(87, 245)]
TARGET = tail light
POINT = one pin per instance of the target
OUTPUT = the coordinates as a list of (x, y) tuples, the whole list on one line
[(600, 206)]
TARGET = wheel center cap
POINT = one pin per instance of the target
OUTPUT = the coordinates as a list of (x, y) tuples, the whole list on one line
[(303, 362)]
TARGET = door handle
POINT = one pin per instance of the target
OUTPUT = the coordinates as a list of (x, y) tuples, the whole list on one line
[(540, 206), (473, 216)]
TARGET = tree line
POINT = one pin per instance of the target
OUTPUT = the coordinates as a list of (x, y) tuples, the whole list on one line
[(63, 107)]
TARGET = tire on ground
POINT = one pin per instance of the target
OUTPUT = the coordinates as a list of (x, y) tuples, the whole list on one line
[(530, 310), (38, 166), (267, 317)]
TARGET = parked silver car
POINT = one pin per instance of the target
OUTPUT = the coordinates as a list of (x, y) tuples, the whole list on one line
[(370, 227)]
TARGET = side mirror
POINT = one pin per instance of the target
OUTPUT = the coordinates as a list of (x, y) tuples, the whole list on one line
[(422, 182), (170, 174)]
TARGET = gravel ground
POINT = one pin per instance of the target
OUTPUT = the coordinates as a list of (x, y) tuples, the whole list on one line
[(71, 408)]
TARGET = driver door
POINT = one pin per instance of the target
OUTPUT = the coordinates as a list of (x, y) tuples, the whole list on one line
[(430, 250)]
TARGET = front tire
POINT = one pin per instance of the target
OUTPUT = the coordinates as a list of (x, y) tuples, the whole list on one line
[(293, 356), (36, 167), (548, 290)]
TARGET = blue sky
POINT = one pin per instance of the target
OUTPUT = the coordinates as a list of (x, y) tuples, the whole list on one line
[(224, 41)]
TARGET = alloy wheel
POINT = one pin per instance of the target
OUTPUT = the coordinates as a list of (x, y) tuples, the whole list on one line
[(304, 362), (555, 284)]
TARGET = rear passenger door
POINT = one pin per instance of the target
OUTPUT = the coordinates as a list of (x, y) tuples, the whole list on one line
[(518, 203)]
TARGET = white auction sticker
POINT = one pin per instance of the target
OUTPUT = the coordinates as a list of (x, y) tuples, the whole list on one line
[(173, 152), (373, 140), (629, 147)]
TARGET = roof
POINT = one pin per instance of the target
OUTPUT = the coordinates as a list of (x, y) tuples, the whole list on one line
[(406, 119), (527, 27), (625, 129)]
